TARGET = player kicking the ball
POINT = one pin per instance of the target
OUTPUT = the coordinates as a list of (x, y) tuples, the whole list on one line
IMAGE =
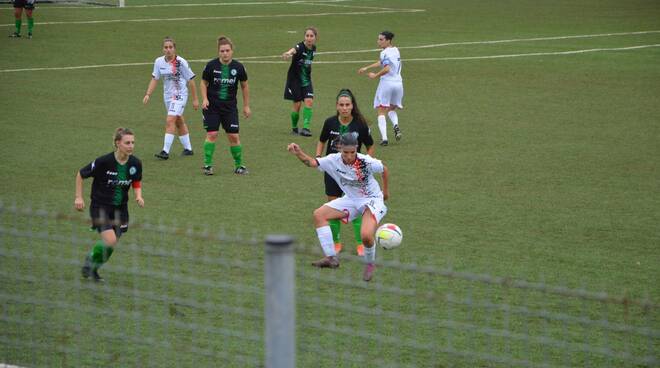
[(362, 197)]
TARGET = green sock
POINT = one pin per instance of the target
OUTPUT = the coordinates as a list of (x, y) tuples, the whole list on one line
[(307, 116), (30, 25), (209, 148), (100, 254), (237, 154), (18, 23), (335, 227), (357, 226), (294, 119)]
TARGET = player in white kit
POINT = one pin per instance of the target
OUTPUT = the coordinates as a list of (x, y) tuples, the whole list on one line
[(354, 173), (389, 95), (177, 78)]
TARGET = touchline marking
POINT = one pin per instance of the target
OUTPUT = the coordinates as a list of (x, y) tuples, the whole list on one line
[(308, 2), (236, 17), (571, 52)]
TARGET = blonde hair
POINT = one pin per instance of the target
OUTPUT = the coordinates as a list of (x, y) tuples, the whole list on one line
[(224, 40), (120, 133)]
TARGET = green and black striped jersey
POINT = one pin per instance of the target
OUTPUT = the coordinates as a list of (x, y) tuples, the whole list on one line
[(223, 80), (301, 64)]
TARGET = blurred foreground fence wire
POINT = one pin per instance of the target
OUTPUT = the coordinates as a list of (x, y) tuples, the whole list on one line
[(192, 297)]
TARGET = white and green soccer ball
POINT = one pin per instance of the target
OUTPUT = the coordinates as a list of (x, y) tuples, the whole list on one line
[(389, 236)]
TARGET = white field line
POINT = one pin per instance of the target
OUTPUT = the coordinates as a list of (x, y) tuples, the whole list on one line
[(2, 365), (296, 2), (235, 17), (485, 57)]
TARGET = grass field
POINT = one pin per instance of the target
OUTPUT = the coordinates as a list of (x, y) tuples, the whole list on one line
[(531, 130)]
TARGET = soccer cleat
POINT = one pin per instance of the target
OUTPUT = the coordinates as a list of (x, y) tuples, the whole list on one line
[(187, 152), (384, 143), (162, 155), (96, 276), (327, 262), (30, 35), (338, 247), (87, 268), (306, 132), (397, 132), (294, 131), (368, 271), (208, 170), (15, 35), (360, 250), (241, 170)]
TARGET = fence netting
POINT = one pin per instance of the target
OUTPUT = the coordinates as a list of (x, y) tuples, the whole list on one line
[(193, 296)]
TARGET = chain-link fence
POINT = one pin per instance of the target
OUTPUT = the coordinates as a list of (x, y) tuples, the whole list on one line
[(191, 297)]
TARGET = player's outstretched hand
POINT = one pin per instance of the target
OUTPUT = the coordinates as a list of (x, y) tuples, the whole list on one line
[(140, 201), (145, 100), (195, 104), (205, 104)]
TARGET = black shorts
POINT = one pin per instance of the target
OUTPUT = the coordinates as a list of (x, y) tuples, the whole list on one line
[(228, 117), (109, 218), (27, 4), (331, 186), (295, 92)]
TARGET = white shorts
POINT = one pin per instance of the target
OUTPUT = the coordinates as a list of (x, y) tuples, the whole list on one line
[(355, 207), (388, 94), (175, 107)]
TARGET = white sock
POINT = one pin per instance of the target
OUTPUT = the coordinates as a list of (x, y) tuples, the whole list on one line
[(382, 126), (185, 141), (325, 238), (167, 144), (394, 118), (370, 254)]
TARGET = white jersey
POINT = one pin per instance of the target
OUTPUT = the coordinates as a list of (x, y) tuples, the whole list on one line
[(390, 56), (355, 180), (176, 75)]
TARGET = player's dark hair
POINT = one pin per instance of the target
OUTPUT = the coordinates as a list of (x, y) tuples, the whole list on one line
[(120, 133), (224, 40), (169, 39), (355, 112), (388, 35), (348, 139), (314, 30)]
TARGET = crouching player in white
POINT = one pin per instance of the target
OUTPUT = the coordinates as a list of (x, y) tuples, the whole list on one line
[(389, 94), (354, 172), (177, 77)]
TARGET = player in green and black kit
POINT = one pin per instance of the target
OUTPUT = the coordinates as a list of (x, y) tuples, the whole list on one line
[(113, 174), (299, 81), (19, 5), (219, 86), (348, 119)]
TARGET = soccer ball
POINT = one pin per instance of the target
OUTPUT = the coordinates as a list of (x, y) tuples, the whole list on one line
[(389, 236)]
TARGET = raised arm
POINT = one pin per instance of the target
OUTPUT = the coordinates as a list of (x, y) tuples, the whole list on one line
[(288, 54), (302, 156), (364, 69)]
